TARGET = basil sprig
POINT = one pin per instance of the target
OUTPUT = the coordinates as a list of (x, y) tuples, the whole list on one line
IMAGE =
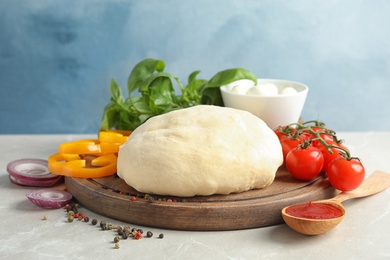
[(157, 94)]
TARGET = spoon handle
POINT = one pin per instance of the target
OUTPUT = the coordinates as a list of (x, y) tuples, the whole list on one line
[(378, 181)]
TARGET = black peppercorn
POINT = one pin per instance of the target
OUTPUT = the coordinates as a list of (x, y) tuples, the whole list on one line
[(149, 234), (116, 239), (125, 235), (94, 222), (102, 223), (86, 219), (161, 236)]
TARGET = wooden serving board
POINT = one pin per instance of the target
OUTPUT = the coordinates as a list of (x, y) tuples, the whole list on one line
[(112, 197)]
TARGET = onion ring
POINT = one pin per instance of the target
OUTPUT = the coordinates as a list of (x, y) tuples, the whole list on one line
[(32, 172), (49, 198)]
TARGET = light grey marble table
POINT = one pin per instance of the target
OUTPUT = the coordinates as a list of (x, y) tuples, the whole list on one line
[(364, 233)]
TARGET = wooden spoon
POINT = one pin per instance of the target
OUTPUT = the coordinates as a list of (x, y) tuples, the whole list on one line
[(377, 182)]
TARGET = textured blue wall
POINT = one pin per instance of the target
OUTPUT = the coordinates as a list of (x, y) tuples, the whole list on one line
[(58, 57)]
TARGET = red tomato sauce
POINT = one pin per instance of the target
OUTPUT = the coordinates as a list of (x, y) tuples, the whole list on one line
[(314, 211)]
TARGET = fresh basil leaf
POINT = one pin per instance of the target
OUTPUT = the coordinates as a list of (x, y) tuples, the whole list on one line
[(161, 93), (142, 71), (190, 94), (110, 117), (115, 92), (228, 76)]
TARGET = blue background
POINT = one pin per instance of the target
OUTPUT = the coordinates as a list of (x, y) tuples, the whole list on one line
[(58, 57)]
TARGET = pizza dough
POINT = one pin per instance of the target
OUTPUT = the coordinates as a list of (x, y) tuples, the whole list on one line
[(202, 150)]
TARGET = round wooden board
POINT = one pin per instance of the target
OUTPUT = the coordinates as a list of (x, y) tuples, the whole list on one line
[(111, 197)]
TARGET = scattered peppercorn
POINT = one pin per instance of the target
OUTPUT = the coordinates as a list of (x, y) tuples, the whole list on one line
[(117, 245), (80, 218), (125, 235), (161, 236), (94, 222), (109, 226), (133, 198), (102, 223), (149, 234), (70, 218), (127, 230), (70, 213), (150, 199), (45, 218), (116, 239), (137, 235)]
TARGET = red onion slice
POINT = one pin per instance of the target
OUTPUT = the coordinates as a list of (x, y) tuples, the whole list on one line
[(49, 198), (32, 172)]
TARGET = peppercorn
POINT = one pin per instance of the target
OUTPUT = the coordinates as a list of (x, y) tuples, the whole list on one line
[(70, 213), (86, 219), (116, 239), (151, 199), (80, 218), (137, 235), (140, 230), (161, 236), (45, 217), (102, 223), (149, 234), (126, 230), (75, 210), (109, 226), (120, 232), (117, 245), (70, 218), (94, 222), (125, 235)]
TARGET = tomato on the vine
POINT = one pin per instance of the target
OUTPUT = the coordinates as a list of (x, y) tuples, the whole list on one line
[(328, 157), (288, 140), (304, 163), (345, 174)]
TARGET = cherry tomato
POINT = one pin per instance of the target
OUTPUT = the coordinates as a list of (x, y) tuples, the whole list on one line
[(304, 163), (328, 157), (282, 131), (288, 143), (345, 174)]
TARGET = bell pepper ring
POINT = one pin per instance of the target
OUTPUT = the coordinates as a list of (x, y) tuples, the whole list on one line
[(72, 165), (108, 142), (114, 136), (89, 147)]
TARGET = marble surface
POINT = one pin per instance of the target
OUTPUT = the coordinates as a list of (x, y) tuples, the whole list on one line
[(364, 233)]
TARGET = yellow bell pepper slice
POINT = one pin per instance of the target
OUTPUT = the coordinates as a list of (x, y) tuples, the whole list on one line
[(108, 142), (114, 136), (72, 165)]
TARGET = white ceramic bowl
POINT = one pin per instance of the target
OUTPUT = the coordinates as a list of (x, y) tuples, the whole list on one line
[(275, 110)]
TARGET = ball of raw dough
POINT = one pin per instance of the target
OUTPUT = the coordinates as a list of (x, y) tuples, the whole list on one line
[(202, 150)]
